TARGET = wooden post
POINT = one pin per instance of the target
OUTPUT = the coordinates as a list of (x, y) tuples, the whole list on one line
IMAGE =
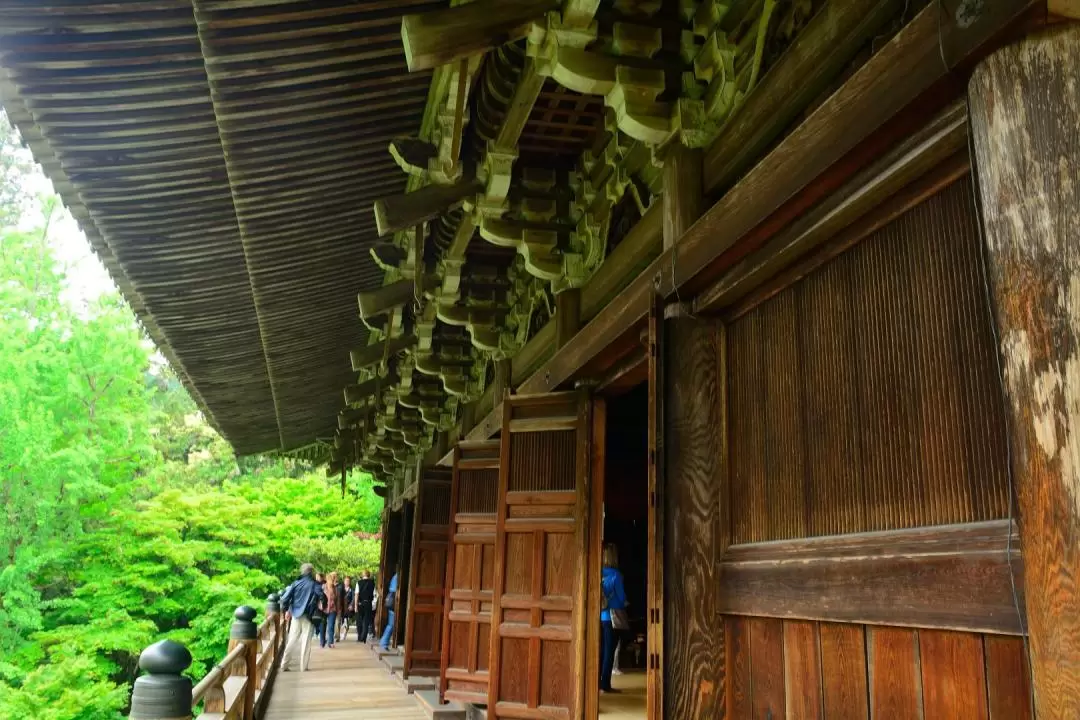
[(683, 200), (567, 316), (694, 501), (501, 383), (245, 632), (162, 692), (273, 614), (1025, 111)]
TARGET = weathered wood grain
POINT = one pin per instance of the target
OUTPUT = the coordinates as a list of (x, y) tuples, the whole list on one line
[(737, 667), (693, 643), (1008, 678), (1025, 114), (953, 675), (844, 671), (802, 671), (767, 674), (953, 577), (895, 681)]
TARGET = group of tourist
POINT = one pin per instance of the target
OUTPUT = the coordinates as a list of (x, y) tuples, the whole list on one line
[(325, 607)]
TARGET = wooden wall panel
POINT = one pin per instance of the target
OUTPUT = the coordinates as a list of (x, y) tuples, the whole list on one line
[(865, 397), (806, 669)]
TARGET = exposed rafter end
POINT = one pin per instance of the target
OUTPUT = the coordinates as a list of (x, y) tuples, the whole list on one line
[(403, 212)]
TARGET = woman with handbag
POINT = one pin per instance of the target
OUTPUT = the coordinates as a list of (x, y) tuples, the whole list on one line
[(613, 615)]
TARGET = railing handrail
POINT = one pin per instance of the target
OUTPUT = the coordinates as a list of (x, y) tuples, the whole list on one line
[(216, 676), (164, 693)]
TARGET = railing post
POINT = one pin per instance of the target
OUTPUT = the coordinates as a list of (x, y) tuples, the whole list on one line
[(245, 631), (273, 614), (162, 693)]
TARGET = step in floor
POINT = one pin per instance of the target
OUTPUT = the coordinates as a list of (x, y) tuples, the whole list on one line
[(429, 701)]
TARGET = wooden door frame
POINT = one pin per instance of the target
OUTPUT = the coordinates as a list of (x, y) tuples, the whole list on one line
[(593, 559)]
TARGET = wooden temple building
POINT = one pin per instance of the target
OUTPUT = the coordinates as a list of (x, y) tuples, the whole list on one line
[(781, 297)]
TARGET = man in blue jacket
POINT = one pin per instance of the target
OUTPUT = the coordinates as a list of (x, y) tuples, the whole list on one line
[(299, 601)]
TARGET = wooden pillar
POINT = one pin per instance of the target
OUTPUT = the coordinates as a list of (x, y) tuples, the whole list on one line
[(567, 316), (694, 497), (683, 200), (245, 632), (1025, 115)]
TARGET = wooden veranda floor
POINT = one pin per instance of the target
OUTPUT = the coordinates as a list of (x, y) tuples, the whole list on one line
[(346, 682)]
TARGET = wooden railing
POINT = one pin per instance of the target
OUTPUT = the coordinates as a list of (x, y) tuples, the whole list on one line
[(237, 688)]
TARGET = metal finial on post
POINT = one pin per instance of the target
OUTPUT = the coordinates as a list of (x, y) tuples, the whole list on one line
[(162, 692), (244, 627)]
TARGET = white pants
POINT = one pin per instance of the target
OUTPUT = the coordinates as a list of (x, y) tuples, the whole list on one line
[(299, 634)]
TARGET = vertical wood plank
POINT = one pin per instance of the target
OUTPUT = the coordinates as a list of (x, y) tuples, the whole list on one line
[(1024, 119), (567, 315), (1008, 678), (737, 655), (693, 646), (683, 195), (844, 671), (953, 675), (767, 668), (895, 682), (802, 671)]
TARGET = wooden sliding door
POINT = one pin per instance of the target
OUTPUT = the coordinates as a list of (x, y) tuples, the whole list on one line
[(654, 594), (427, 576), (470, 572), (537, 666)]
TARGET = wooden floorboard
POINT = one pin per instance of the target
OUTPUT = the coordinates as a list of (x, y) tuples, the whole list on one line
[(629, 703), (346, 682)]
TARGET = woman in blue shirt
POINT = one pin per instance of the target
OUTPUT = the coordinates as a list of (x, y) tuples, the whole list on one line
[(614, 595)]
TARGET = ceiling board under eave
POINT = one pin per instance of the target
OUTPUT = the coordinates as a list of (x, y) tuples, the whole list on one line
[(116, 106), (305, 121)]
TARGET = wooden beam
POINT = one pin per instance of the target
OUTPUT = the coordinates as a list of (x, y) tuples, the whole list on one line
[(953, 577), (406, 211), (1065, 8), (527, 90), (381, 300), (438, 37), (1024, 117), (941, 138), (815, 58)]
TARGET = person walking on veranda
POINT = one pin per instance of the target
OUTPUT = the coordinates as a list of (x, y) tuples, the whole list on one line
[(612, 615), (300, 601), (391, 598), (364, 598), (348, 612), (333, 607)]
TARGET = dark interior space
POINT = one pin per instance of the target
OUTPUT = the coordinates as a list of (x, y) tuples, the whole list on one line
[(626, 509)]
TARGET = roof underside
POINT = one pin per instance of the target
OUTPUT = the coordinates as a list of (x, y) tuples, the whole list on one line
[(222, 157)]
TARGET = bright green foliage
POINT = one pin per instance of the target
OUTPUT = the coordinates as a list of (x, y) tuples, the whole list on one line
[(344, 554), (124, 517)]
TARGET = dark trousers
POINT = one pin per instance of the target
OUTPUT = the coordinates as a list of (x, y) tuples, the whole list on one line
[(607, 653), (329, 627), (363, 621)]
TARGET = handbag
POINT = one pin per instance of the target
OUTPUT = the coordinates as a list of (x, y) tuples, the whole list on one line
[(620, 619)]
